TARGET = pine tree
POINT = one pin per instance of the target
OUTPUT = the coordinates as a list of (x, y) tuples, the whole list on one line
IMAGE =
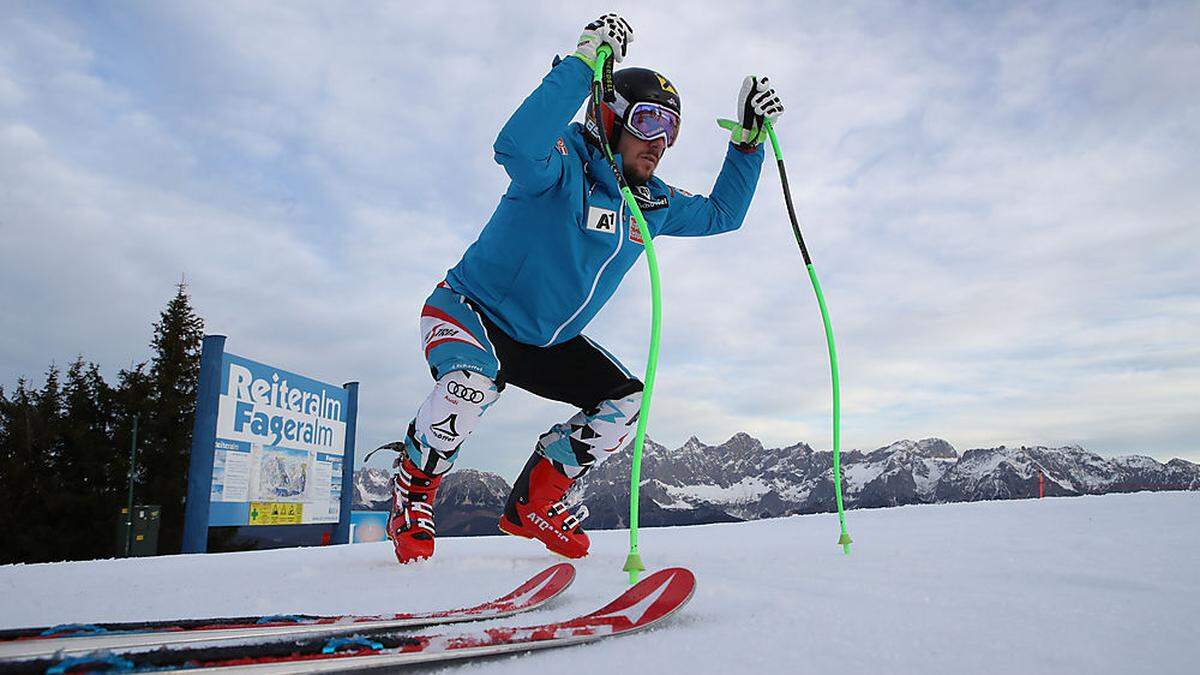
[(173, 377), (88, 486), (28, 429)]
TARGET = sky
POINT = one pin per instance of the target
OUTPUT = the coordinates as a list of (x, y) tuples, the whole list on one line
[(1000, 200)]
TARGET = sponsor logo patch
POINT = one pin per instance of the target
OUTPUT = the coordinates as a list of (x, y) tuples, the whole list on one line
[(445, 429), (666, 86), (635, 233), (562, 147), (464, 392), (602, 220), (438, 327), (646, 201)]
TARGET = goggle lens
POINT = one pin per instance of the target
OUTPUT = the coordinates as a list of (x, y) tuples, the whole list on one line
[(650, 121)]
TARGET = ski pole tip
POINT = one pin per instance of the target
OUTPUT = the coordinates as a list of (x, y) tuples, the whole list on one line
[(844, 541), (633, 565)]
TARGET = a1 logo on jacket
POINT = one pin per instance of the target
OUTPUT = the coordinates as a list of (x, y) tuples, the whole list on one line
[(602, 220)]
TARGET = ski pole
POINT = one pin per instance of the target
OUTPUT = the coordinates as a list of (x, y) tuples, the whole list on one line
[(602, 86), (845, 539)]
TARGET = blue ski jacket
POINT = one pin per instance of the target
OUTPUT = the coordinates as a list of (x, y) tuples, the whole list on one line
[(562, 238)]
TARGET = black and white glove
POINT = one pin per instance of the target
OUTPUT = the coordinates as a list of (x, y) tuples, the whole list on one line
[(757, 104), (610, 30)]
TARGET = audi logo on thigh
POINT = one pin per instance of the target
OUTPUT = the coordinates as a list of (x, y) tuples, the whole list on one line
[(465, 393)]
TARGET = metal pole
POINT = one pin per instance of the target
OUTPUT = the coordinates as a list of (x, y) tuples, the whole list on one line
[(129, 504)]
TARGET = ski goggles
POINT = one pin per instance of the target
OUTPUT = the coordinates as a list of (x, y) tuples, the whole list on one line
[(651, 121)]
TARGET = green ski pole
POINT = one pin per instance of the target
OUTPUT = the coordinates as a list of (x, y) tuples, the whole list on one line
[(845, 539), (602, 87)]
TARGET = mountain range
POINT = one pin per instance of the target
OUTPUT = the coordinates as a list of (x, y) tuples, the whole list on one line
[(741, 480)]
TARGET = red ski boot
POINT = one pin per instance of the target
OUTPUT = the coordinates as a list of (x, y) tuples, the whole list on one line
[(535, 510), (410, 526)]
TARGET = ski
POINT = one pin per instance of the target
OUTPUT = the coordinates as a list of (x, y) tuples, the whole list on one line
[(649, 602), (23, 643)]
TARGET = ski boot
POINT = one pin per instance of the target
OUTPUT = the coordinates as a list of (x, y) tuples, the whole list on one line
[(535, 510), (410, 526)]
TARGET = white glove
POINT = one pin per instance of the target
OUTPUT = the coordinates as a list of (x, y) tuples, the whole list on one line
[(610, 30), (757, 104)]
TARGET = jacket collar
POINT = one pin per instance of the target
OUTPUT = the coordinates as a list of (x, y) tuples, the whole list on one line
[(654, 196)]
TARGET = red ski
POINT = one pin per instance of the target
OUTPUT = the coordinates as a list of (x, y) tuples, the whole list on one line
[(649, 602), (23, 643)]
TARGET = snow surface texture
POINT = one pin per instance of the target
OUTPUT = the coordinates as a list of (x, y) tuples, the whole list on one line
[(1097, 584)]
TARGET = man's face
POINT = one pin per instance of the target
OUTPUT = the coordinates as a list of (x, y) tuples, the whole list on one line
[(639, 157)]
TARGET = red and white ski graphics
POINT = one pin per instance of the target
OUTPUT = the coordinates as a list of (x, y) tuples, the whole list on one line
[(76, 639), (652, 600), (438, 327)]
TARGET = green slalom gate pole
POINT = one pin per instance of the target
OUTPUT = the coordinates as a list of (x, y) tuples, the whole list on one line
[(602, 86), (845, 539)]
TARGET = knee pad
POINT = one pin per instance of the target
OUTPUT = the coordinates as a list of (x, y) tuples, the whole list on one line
[(590, 436), (448, 415)]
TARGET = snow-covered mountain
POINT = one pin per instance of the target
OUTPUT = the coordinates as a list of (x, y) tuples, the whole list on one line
[(372, 489), (468, 501), (741, 480)]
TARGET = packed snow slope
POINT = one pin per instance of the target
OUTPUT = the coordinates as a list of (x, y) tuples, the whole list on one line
[(1099, 584)]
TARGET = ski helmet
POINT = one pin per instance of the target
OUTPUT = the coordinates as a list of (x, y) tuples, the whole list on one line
[(647, 106)]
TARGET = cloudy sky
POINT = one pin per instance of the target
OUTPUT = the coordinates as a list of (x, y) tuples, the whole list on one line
[(1001, 201)]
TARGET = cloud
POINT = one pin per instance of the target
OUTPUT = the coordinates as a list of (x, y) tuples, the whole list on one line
[(999, 204)]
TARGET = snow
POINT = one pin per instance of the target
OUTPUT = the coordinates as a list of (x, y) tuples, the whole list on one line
[(1102, 584), (1137, 462), (746, 490), (855, 476), (927, 472)]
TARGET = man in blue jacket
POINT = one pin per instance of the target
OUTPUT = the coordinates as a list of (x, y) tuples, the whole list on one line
[(512, 311)]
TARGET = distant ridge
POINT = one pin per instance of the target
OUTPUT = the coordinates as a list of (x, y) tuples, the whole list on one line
[(741, 480)]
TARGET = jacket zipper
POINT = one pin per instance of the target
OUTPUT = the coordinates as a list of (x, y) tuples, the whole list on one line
[(596, 280)]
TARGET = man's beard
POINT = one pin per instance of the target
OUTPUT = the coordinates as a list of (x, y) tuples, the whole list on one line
[(632, 178)]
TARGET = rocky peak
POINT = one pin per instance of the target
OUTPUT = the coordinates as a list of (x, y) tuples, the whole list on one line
[(935, 448), (472, 487)]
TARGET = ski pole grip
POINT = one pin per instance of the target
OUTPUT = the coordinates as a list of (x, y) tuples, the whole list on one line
[(604, 73), (774, 141)]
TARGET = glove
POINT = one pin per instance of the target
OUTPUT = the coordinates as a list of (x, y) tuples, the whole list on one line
[(757, 104), (610, 30)]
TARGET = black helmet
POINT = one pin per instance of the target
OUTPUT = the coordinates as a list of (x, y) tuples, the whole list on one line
[(633, 86)]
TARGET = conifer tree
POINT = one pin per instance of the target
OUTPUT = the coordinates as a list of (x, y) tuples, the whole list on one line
[(87, 482), (29, 423), (173, 376)]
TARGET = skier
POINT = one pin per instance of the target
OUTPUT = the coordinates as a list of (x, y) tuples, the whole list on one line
[(512, 311)]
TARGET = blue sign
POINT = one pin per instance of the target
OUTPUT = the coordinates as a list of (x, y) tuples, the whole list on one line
[(272, 446)]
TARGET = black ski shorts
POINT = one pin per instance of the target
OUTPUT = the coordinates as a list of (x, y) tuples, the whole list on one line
[(456, 335)]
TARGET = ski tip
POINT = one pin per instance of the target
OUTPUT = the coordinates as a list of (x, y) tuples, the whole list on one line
[(546, 584), (564, 572), (669, 575), (650, 600)]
